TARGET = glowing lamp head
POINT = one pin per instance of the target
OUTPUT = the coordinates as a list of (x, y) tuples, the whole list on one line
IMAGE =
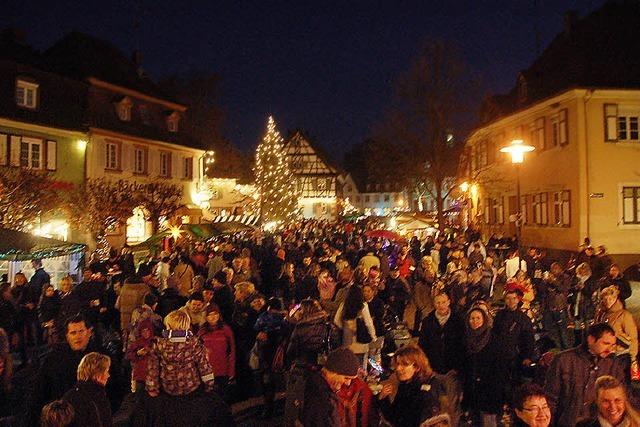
[(517, 148), (464, 187)]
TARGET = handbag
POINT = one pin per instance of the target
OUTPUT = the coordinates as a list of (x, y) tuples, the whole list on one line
[(362, 332)]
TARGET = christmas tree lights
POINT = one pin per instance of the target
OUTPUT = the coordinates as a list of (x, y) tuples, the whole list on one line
[(278, 198)]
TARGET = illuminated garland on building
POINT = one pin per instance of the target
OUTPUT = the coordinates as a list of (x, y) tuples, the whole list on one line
[(278, 198)]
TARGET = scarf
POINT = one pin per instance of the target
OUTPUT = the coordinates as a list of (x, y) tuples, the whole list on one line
[(442, 319), (477, 339)]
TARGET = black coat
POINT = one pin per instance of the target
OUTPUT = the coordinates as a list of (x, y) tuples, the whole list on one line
[(443, 345), (485, 375), (57, 375), (322, 409), (515, 331), (309, 339), (90, 404), (415, 402)]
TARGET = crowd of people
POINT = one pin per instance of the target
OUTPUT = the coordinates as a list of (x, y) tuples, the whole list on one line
[(358, 330)]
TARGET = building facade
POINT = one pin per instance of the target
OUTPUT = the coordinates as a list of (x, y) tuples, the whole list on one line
[(316, 180), (581, 180), (375, 198)]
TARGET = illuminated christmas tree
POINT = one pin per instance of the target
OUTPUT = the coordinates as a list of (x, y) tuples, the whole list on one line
[(278, 198)]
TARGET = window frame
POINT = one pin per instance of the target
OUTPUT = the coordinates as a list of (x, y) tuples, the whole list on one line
[(117, 151), (187, 168), (167, 172), (32, 142), (25, 86), (144, 170), (561, 208), (635, 200)]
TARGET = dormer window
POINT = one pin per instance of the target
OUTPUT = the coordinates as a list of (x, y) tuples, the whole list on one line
[(26, 94), (123, 109), (172, 121)]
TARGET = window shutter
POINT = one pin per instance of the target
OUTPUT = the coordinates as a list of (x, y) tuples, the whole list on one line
[(14, 152), (611, 122), (4, 150), (52, 155)]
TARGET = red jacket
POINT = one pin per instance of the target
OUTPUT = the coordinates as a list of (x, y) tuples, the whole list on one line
[(138, 362), (355, 408), (221, 347)]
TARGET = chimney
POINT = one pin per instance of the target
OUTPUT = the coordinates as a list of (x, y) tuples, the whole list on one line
[(570, 21)]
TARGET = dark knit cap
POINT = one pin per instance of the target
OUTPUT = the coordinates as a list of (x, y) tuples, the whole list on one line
[(342, 361)]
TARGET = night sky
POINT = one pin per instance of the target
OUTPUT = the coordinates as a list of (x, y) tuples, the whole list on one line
[(326, 67)]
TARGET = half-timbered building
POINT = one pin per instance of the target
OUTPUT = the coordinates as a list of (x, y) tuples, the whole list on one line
[(316, 179)]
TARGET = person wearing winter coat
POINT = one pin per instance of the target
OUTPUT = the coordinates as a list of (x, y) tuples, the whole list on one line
[(179, 363), (441, 336), (138, 353), (272, 329), (218, 339), (614, 277), (70, 306), (418, 396), (183, 276), (571, 379), (313, 335), (354, 307), (57, 372), (48, 308), (485, 367), (130, 298), (88, 397), (357, 407), (613, 313)]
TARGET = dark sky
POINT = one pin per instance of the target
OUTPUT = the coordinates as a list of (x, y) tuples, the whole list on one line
[(323, 66)]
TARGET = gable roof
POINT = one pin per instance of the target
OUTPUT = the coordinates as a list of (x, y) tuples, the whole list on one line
[(80, 56), (599, 50), (298, 141)]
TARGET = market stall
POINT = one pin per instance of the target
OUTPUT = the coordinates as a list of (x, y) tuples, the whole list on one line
[(59, 258)]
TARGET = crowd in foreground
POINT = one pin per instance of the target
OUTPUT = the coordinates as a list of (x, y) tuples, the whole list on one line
[(358, 330)]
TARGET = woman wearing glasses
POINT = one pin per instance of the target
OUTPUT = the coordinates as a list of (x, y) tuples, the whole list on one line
[(531, 407)]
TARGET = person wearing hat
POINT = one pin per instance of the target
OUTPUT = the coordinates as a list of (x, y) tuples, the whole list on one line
[(340, 369)]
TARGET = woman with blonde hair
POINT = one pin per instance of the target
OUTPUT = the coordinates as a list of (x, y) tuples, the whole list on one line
[(419, 395), (179, 363), (89, 398), (613, 313)]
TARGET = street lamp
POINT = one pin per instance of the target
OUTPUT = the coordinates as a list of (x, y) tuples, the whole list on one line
[(516, 149)]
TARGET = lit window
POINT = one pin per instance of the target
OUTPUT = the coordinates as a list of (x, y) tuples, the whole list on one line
[(112, 160), (165, 164), (31, 153), (631, 205), (26, 94), (540, 209), (140, 165), (187, 171), (627, 128), (561, 208), (559, 130), (136, 226)]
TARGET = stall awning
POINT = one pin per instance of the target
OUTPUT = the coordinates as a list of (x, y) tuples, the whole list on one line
[(21, 246)]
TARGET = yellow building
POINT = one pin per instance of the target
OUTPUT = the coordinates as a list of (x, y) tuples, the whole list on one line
[(578, 104), (583, 179)]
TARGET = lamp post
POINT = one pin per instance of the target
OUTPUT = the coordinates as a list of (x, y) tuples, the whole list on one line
[(516, 149)]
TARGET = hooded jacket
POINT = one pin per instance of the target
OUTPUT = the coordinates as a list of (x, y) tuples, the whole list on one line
[(178, 366)]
